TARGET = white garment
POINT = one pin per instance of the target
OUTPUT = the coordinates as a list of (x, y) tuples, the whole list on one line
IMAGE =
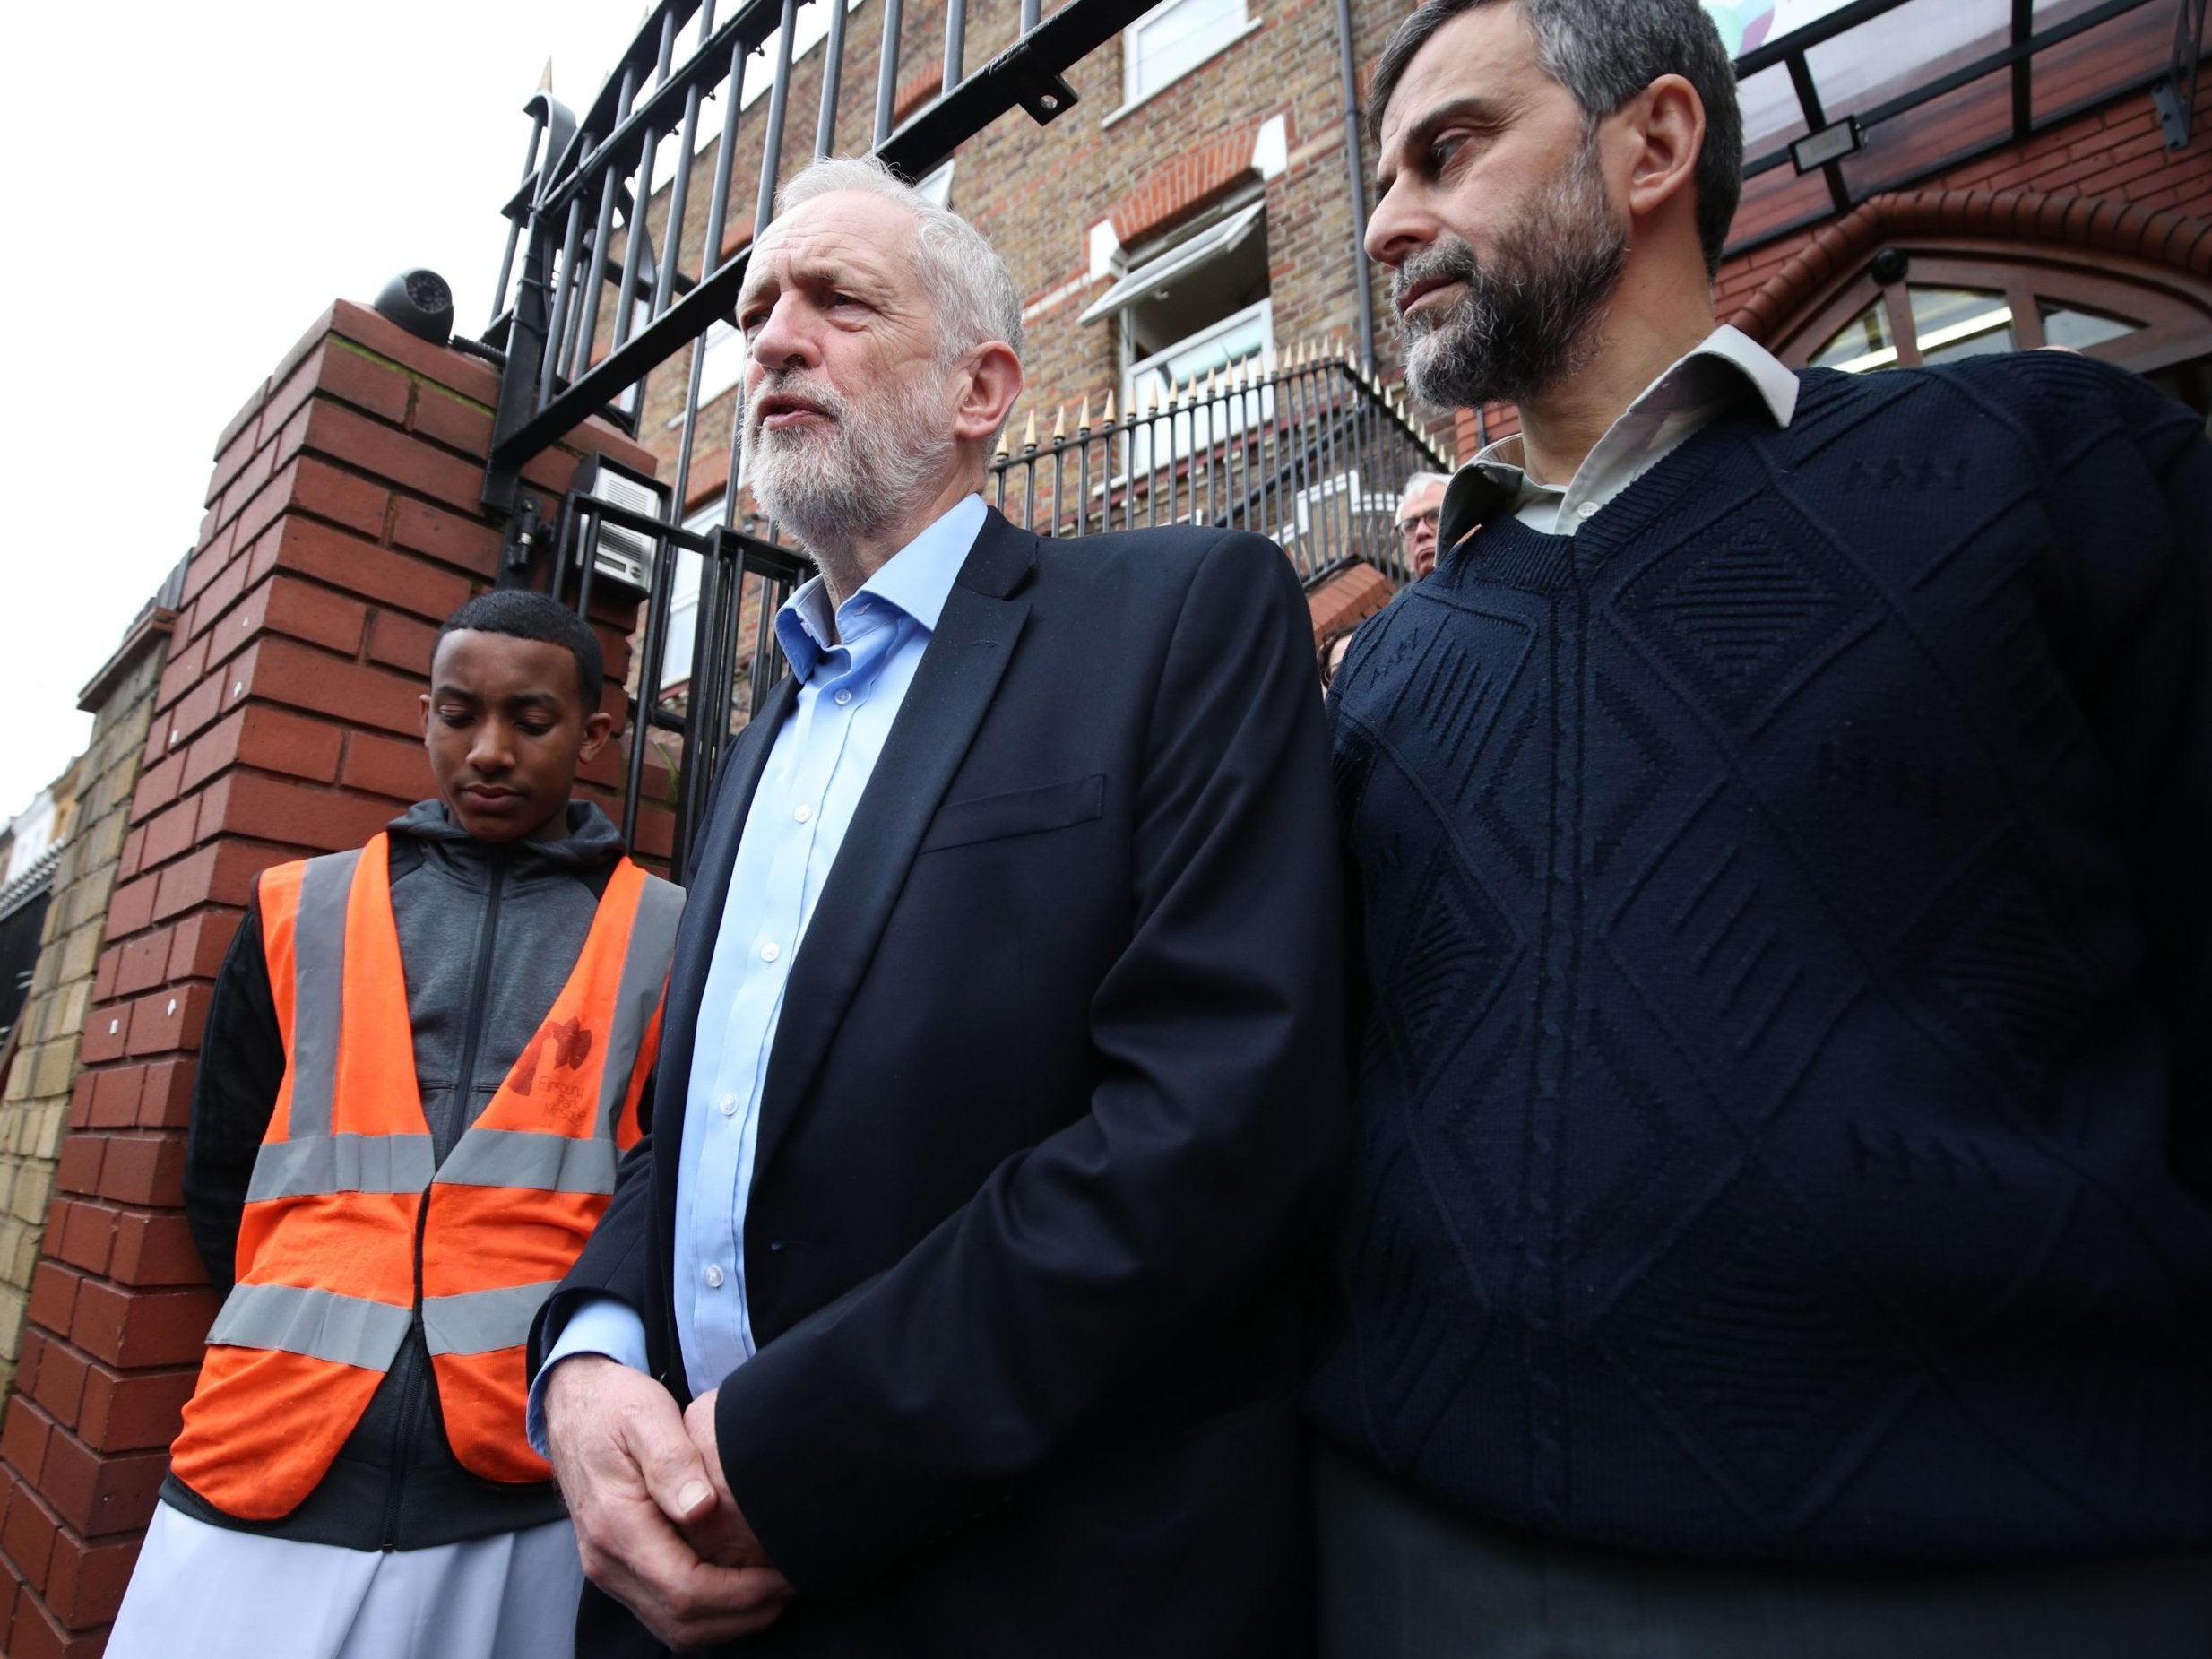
[(203, 1592)]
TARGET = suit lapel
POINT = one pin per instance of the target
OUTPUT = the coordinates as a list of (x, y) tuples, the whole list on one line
[(959, 670)]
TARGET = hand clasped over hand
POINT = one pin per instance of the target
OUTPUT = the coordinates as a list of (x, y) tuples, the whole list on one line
[(656, 1526)]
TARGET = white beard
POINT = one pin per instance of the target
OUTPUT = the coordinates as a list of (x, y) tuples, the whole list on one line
[(830, 485)]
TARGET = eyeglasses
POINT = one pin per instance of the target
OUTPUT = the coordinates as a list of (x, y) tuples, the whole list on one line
[(1407, 526)]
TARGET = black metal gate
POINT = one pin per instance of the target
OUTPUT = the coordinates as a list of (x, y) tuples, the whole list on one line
[(1312, 451), (579, 233)]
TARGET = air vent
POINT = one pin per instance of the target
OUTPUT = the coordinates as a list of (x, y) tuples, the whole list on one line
[(620, 554)]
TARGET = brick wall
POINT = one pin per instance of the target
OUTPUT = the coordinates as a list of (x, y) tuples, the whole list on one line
[(1152, 164), (35, 1105), (341, 526), (1170, 191), (1348, 597)]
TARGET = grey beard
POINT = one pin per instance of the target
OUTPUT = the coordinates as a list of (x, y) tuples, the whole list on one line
[(832, 489), (1535, 316)]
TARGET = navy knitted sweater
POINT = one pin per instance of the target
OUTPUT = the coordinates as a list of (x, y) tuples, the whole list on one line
[(1784, 1098)]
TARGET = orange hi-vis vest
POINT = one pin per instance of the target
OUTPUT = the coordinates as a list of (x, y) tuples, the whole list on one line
[(350, 1234)]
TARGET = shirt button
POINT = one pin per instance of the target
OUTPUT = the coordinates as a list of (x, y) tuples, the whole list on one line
[(1587, 510), (728, 1104), (712, 1276), (845, 696), (802, 812), (768, 952)]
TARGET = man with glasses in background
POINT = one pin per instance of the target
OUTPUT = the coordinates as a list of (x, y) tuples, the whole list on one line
[(1419, 511)]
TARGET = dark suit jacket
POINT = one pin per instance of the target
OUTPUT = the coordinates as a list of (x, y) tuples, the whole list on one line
[(1054, 1108)]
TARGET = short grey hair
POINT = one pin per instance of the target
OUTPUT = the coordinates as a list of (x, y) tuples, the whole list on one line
[(1420, 482), (1604, 52), (971, 290)]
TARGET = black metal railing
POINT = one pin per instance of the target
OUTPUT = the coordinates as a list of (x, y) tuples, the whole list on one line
[(1313, 452), (581, 225), (611, 269), (581, 214)]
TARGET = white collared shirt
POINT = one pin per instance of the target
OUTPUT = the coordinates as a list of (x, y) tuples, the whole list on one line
[(1694, 391)]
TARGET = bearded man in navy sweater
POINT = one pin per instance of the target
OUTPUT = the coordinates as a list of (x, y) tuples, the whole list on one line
[(1781, 831)]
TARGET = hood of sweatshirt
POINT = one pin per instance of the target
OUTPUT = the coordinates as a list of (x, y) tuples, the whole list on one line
[(590, 841)]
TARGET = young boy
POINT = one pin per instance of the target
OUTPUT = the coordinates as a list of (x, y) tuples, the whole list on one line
[(422, 1065)]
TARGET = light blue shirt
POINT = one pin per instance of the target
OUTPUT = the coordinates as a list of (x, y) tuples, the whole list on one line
[(852, 678)]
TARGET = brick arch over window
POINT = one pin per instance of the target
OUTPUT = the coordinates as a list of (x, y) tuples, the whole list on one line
[(2156, 251), (1190, 181)]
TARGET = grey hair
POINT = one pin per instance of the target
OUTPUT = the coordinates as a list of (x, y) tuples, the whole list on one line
[(1604, 52), (1421, 480), (971, 290)]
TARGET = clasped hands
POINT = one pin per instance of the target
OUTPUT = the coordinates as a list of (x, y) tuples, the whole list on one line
[(656, 1525)]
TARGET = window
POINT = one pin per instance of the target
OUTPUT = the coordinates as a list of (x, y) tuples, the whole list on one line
[(1338, 517), (35, 830), (2079, 330), (1181, 264), (1943, 304), (938, 186), (1931, 83), (1946, 323), (1243, 338), (1952, 322), (1172, 39), (725, 366), (684, 604), (1949, 308), (1193, 303)]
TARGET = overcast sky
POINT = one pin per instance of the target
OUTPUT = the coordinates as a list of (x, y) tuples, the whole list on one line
[(196, 183)]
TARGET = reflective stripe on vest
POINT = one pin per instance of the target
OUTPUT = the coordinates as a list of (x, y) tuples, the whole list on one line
[(294, 1318), (483, 1321), (525, 1158), (342, 1163), (328, 1284), (318, 935)]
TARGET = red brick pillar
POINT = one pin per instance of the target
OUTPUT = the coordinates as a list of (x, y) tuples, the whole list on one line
[(341, 526)]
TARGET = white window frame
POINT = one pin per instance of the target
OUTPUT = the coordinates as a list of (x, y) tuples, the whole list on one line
[(32, 832), (1188, 430), (684, 602), (725, 359), (1345, 499), (937, 186), (1137, 84), (1186, 254)]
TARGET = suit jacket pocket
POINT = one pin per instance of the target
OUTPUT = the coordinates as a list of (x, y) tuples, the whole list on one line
[(1024, 812)]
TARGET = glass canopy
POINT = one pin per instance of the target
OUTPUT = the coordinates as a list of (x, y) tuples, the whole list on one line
[(1875, 94)]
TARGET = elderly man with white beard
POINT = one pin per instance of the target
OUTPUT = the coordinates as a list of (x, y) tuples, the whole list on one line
[(952, 1306)]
